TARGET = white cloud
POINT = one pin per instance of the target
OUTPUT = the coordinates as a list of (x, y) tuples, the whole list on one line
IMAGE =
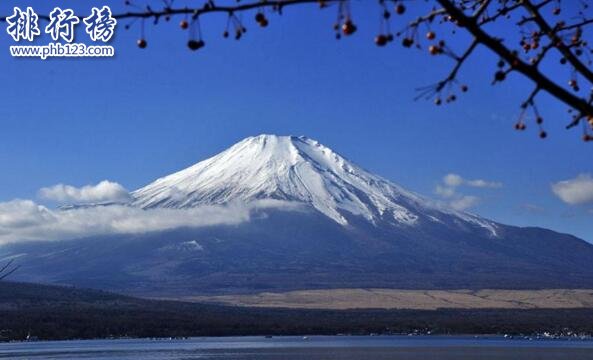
[(444, 191), (22, 220), (451, 182), (455, 180), (104, 191), (479, 183), (464, 202), (575, 191)]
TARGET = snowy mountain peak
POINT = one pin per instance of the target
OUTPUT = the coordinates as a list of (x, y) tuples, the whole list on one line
[(294, 169)]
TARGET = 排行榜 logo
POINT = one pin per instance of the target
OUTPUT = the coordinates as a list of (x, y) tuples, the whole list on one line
[(23, 25), (100, 25), (61, 24)]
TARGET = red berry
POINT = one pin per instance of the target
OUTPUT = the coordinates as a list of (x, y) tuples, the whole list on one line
[(195, 44), (348, 28), (141, 43), (259, 17), (381, 40)]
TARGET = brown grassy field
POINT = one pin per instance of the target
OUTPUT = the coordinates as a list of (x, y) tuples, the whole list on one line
[(342, 299)]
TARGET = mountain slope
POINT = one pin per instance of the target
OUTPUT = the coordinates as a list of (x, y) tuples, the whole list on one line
[(351, 229), (296, 169)]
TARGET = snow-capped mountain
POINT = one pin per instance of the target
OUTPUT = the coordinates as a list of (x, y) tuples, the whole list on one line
[(350, 229), (296, 169)]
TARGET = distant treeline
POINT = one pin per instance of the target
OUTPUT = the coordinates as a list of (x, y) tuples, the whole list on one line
[(171, 320), (62, 313)]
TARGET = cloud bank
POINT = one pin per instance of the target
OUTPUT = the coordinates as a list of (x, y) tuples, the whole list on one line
[(25, 220), (575, 191), (464, 202), (455, 180), (450, 184), (105, 191)]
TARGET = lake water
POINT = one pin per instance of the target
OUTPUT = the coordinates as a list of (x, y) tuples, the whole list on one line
[(298, 348)]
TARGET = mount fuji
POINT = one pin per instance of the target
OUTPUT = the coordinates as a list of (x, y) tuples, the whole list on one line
[(328, 224), (297, 169)]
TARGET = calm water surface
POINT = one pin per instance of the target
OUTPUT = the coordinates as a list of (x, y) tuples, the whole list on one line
[(298, 348)]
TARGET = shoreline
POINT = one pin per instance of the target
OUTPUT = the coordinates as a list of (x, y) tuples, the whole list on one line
[(545, 336), (309, 337)]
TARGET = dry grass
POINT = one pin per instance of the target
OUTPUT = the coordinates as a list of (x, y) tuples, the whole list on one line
[(410, 299)]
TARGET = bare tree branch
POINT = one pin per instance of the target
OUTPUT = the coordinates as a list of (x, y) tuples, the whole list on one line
[(209, 7), (552, 34), (517, 64), (538, 38)]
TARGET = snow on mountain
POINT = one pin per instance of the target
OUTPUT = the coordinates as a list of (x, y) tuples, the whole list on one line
[(296, 169), (339, 227)]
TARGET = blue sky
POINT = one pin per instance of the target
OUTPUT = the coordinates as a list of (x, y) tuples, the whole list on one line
[(146, 113)]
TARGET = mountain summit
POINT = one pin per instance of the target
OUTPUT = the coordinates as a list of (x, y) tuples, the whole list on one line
[(296, 169), (351, 229)]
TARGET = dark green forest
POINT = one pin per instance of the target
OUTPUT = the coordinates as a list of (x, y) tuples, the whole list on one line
[(55, 313)]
